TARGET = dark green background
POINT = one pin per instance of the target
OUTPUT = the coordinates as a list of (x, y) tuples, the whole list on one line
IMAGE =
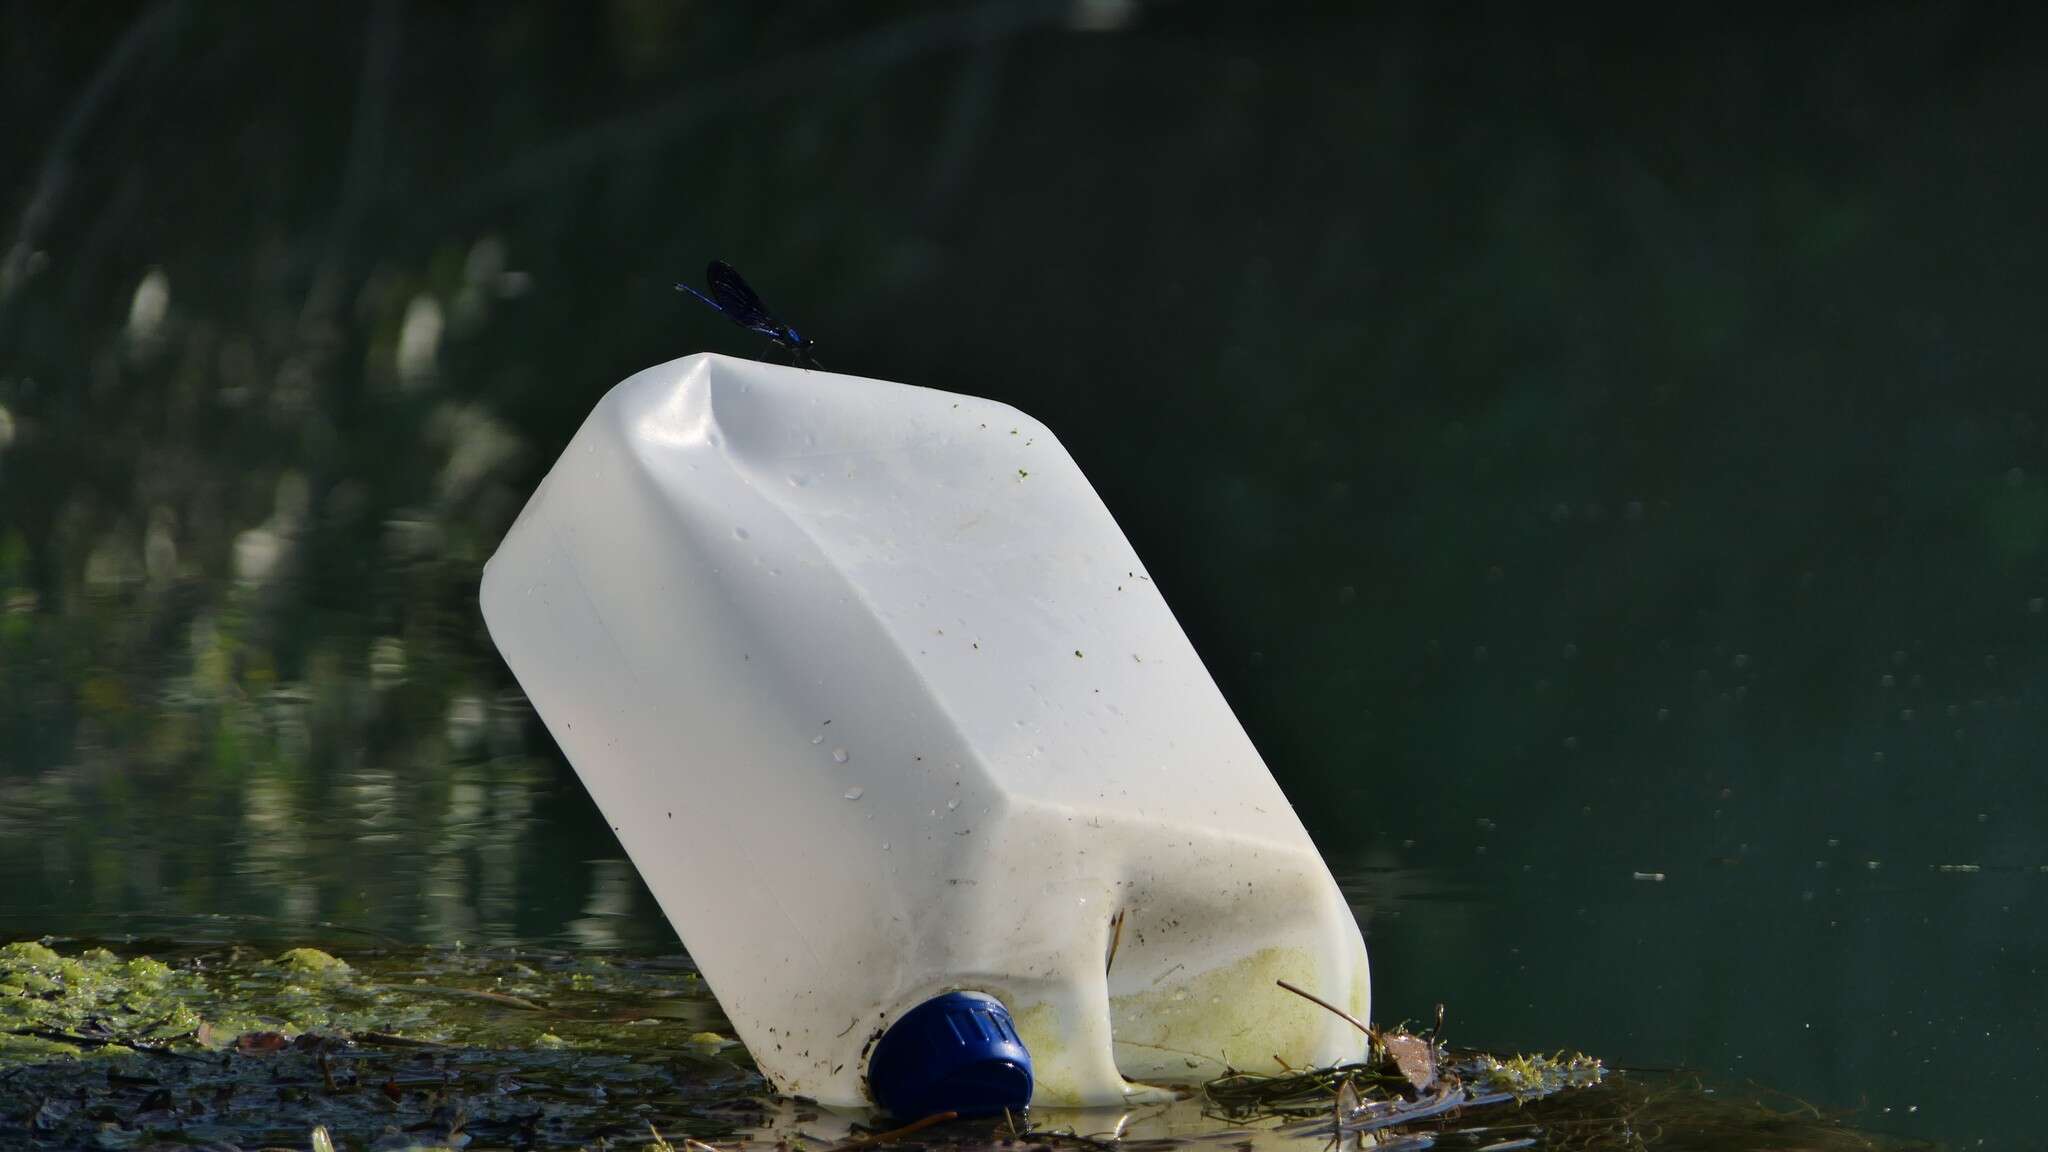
[(1580, 450)]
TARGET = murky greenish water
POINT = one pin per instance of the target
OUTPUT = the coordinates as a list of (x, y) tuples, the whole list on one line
[(1606, 472)]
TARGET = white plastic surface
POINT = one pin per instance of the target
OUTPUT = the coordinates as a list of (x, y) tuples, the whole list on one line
[(881, 703)]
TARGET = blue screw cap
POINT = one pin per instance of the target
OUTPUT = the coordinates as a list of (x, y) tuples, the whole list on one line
[(953, 1053)]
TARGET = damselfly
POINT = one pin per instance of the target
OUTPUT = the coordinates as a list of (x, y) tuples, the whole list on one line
[(740, 304)]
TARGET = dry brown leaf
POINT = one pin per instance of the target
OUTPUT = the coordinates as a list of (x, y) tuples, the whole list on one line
[(255, 1043), (1413, 1056)]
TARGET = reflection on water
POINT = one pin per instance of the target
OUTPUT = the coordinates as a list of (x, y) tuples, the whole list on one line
[(469, 859), (296, 800), (240, 663), (607, 914)]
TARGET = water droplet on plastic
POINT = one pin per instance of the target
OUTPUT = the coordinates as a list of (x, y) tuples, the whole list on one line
[(839, 755), (854, 793), (739, 533), (818, 739), (885, 845), (952, 805)]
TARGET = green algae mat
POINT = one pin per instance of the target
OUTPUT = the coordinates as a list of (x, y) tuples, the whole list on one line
[(149, 1044)]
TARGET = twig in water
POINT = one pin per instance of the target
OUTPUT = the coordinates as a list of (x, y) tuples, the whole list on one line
[(387, 1040), (894, 1133), (690, 1143), (60, 1037), (505, 998), (1312, 998)]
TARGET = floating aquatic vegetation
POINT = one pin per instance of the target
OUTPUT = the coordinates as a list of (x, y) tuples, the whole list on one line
[(444, 1047), (1390, 1091), (381, 1049)]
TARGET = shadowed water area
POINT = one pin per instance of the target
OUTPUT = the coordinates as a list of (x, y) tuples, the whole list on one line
[(1606, 473)]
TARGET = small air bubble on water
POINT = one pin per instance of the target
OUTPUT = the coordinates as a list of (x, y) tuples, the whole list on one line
[(839, 755), (854, 793)]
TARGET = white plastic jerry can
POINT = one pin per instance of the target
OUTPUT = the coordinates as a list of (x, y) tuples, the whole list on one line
[(884, 708)]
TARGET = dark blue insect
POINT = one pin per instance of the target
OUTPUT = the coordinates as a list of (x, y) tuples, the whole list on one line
[(742, 305)]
